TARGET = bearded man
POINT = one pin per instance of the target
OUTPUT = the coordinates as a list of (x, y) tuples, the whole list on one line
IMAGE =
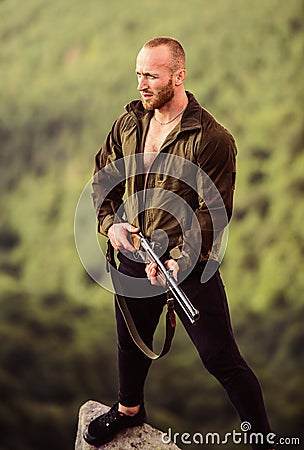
[(168, 124)]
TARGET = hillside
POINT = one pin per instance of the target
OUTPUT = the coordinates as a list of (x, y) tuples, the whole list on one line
[(67, 70)]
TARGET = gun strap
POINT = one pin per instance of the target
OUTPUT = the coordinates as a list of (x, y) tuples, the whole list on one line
[(170, 329), (121, 301)]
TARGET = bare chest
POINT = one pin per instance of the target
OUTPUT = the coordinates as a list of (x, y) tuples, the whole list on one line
[(155, 138)]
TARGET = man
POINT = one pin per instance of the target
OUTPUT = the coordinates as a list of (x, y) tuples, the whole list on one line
[(168, 121)]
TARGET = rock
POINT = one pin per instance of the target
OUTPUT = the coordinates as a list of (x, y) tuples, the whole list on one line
[(144, 437)]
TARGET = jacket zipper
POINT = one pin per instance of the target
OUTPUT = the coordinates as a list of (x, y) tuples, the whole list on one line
[(149, 172)]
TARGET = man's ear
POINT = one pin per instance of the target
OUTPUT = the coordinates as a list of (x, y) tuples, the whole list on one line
[(180, 77)]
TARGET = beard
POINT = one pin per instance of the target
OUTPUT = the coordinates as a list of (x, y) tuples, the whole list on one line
[(160, 98)]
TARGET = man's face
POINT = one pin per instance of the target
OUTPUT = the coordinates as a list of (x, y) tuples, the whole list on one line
[(155, 78)]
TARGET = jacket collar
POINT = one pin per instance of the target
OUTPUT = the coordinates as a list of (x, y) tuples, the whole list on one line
[(191, 119)]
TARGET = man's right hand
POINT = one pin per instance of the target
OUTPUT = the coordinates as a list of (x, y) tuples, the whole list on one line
[(119, 235)]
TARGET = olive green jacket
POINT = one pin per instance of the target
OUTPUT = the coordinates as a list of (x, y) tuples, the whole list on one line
[(188, 191)]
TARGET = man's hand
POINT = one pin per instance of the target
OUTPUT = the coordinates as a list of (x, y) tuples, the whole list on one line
[(119, 235), (151, 271)]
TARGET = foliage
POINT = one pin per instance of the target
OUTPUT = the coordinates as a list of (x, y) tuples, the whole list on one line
[(67, 69)]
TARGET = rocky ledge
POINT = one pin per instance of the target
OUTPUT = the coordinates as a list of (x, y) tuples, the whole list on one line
[(144, 437)]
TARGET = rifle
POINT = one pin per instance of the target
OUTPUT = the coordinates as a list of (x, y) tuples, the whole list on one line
[(167, 278)]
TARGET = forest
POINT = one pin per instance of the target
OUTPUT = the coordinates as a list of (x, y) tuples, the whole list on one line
[(67, 70)]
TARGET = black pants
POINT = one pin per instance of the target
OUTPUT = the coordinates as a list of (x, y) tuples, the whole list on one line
[(212, 336)]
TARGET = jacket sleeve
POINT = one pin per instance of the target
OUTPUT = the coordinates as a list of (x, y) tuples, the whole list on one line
[(216, 161), (109, 181)]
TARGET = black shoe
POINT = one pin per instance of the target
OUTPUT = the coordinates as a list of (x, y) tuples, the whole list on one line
[(103, 429)]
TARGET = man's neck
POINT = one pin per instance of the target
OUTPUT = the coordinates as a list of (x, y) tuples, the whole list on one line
[(172, 108)]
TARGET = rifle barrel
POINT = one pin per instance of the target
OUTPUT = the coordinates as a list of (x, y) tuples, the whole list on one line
[(191, 312)]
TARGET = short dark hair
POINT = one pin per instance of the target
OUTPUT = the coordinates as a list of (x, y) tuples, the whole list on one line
[(178, 56)]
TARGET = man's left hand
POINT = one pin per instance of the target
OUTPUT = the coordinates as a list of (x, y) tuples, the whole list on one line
[(151, 271)]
